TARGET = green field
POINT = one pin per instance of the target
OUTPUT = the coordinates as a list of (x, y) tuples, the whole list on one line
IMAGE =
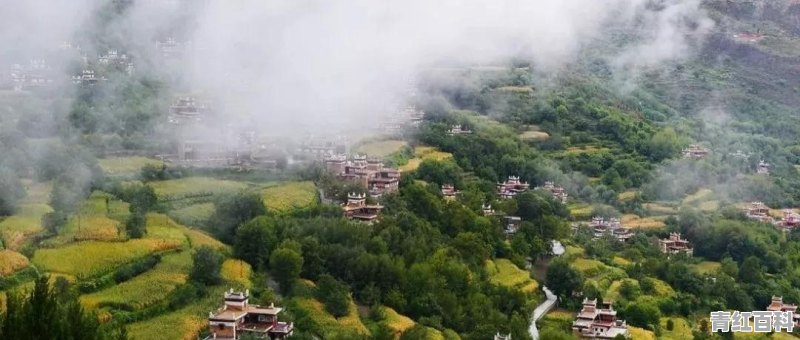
[(92, 258), (126, 167), (380, 149), (503, 272), (99, 218), (148, 288), (325, 323), (291, 195), (191, 186), (706, 267), (193, 215), (15, 229)]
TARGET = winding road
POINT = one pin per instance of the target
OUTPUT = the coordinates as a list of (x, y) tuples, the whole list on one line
[(550, 302)]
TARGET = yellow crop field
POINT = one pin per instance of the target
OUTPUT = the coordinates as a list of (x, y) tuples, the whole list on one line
[(183, 324), (505, 273), (290, 195), (620, 261), (680, 329), (91, 258), (380, 149), (574, 150), (238, 272), (661, 209), (27, 221), (179, 188), (634, 221), (422, 153), (327, 322), (11, 261), (641, 334), (627, 195), (148, 288), (701, 195), (534, 135), (580, 211), (398, 323), (126, 166), (199, 238), (706, 267), (194, 214)]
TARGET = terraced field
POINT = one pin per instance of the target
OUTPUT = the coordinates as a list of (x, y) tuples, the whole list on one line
[(380, 149), (126, 167), (92, 258), (287, 196), (185, 323), (15, 229), (327, 324), (503, 272), (193, 215), (422, 153), (11, 261), (148, 288), (190, 186)]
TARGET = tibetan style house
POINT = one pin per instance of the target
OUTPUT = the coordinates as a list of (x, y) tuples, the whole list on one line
[(458, 129), (789, 221), (512, 225), (777, 305), (449, 192), (611, 226), (238, 318), (758, 211), (675, 245), (370, 173), (559, 193), (487, 210), (694, 151), (762, 168), (185, 110), (511, 187), (599, 322), (357, 208)]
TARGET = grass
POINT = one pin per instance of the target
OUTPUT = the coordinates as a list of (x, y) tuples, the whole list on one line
[(620, 261), (193, 215), (11, 261), (627, 195), (238, 272), (534, 135), (503, 272), (700, 196), (291, 195), (709, 206), (380, 149), (681, 329), (573, 251), (189, 186), (182, 324), (422, 153), (127, 167), (660, 209), (580, 211), (587, 265), (634, 221), (148, 288), (706, 267), (92, 258), (590, 149)]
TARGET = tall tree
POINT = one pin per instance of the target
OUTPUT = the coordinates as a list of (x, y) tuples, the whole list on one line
[(206, 266)]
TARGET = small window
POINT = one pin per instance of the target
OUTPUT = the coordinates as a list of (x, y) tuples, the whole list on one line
[(262, 318), (221, 326)]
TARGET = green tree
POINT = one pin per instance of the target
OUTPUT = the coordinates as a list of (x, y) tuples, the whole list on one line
[(135, 225), (562, 279), (11, 191), (285, 266), (230, 211), (664, 144), (255, 240), (334, 294), (207, 263)]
